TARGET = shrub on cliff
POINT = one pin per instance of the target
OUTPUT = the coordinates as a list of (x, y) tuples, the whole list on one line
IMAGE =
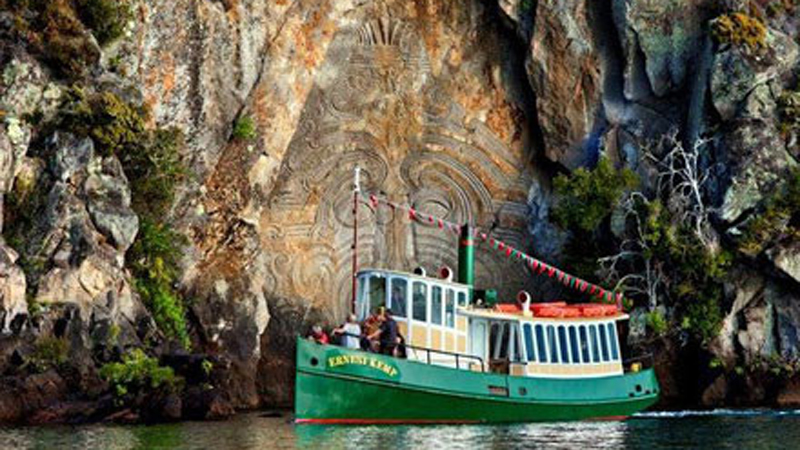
[(48, 353), (244, 129), (106, 18), (741, 30), (584, 200), (138, 374), (586, 197), (154, 260)]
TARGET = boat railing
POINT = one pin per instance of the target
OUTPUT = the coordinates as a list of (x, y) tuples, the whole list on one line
[(459, 357), (638, 362)]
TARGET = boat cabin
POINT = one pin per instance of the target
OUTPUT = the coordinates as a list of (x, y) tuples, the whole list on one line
[(424, 308), (441, 327)]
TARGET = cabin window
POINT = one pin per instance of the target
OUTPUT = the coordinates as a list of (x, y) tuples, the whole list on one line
[(595, 347), (541, 350), (462, 299), (612, 336), (562, 340), (377, 292), (529, 341), (551, 343), (436, 305), (399, 295), (499, 336), (450, 309), (603, 341), (362, 298), (420, 297), (584, 343), (573, 343)]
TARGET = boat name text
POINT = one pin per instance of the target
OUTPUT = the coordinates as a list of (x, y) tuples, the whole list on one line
[(348, 360)]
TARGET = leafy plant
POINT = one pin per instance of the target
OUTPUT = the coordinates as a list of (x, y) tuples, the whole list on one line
[(244, 129), (137, 373), (656, 323), (49, 353), (154, 260), (207, 367), (106, 18), (586, 197)]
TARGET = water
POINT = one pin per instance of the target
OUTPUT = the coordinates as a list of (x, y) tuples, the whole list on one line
[(723, 429)]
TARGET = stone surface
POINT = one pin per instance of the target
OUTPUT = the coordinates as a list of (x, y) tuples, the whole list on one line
[(787, 259), (12, 290), (564, 71), (659, 40)]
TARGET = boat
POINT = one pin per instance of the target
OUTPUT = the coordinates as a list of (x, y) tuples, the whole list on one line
[(470, 359)]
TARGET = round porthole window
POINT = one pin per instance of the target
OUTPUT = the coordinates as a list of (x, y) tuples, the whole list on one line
[(638, 388), (314, 362), (523, 391)]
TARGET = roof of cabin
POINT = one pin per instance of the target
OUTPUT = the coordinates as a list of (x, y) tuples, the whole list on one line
[(414, 276), (518, 316)]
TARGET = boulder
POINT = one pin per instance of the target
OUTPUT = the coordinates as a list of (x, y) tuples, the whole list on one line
[(787, 319), (564, 71), (756, 160), (659, 42), (736, 72), (786, 258), (747, 290), (13, 303), (109, 202)]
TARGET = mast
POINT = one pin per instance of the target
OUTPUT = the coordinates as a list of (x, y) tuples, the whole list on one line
[(356, 193)]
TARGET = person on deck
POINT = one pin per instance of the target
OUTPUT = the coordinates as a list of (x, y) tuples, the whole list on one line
[(350, 333), (371, 325), (386, 334), (318, 335)]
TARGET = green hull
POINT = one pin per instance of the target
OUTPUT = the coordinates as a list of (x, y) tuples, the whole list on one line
[(336, 385)]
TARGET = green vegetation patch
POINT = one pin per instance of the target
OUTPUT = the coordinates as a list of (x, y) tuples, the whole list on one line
[(244, 129), (48, 353), (586, 197), (138, 373)]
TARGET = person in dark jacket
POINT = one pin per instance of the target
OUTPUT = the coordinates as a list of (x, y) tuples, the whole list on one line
[(386, 334)]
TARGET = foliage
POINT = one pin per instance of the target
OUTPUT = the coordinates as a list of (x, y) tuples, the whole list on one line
[(656, 323), (154, 259), (207, 366), (53, 30), (586, 197), (778, 220), (49, 353), (138, 373), (244, 129), (58, 30), (115, 126), (777, 8), (106, 18), (740, 29)]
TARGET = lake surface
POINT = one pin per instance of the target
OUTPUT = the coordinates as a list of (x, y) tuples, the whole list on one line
[(746, 429)]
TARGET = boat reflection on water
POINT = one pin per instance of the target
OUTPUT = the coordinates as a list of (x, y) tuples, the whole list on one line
[(566, 435)]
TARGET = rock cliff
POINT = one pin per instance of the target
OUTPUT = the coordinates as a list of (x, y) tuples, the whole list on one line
[(467, 110)]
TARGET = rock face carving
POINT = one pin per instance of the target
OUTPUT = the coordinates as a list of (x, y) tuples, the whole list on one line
[(376, 103)]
